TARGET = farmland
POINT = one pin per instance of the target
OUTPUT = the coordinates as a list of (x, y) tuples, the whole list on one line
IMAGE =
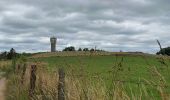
[(133, 66), (129, 69), (116, 75)]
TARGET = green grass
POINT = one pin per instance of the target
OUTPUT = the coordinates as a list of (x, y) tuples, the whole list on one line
[(89, 75), (132, 69)]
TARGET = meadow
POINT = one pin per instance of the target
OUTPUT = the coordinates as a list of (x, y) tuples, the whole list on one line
[(131, 70), (100, 76)]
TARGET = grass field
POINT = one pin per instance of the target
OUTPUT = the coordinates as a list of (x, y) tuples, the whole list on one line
[(133, 67), (92, 76), (131, 70)]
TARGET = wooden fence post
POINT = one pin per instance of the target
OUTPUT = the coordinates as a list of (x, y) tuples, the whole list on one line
[(32, 80), (23, 73), (17, 69), (61, 90)]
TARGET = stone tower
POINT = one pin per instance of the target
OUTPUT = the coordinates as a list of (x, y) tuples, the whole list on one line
[(53, 41)]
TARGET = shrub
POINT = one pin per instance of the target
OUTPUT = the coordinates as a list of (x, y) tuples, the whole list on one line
[(164, 51), (71, 48)]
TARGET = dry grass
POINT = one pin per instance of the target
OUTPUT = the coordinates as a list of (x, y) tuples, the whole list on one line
[(4, 64), (82, 88), (81, 53)]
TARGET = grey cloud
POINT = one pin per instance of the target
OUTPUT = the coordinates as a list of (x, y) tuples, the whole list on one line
[(113, 25)]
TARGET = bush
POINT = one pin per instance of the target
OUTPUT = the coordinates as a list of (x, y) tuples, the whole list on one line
[(3, 55), (79, 49), (164, 51), (92, 49), (71, 48), (85, 49), (11, 54)]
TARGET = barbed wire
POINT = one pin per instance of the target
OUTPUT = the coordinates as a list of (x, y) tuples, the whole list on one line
[(97, 75)]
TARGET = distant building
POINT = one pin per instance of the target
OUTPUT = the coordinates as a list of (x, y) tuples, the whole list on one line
[(53, 41)]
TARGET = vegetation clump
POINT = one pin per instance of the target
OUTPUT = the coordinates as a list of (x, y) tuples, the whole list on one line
[(164, 51)]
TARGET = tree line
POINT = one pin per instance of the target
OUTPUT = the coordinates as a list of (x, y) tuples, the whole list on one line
[(72, 48), (13, 54), (9, 55)]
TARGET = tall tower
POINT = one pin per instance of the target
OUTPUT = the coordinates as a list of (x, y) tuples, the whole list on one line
[(53, 41)]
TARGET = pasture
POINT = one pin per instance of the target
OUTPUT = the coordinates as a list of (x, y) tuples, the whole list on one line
[(91, 76), (132, 68), (132, 71)]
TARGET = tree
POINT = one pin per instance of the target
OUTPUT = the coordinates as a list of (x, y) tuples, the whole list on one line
[(3, 55), (71, 48), (11, 54), (85, 49), (164, 51), (79, 49), (92, 49)]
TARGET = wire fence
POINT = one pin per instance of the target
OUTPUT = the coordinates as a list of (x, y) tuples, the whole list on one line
[(96, 75), (99, 75)]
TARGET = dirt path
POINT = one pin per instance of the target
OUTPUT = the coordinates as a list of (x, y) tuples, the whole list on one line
[(2, 88)]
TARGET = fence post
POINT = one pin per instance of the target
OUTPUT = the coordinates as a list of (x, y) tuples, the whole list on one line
[(61, 92), (17, 69), (32, 80), (23, 73)]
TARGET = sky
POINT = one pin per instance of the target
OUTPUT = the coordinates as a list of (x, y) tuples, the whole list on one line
[(111, 25)]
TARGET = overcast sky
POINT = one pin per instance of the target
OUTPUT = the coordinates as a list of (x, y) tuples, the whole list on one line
[(113, 25)]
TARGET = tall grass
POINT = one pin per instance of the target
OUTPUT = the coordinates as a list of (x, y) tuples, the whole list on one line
[(80, 85)]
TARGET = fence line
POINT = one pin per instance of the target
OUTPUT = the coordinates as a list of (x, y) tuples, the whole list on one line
[(61, 82), (61, 90), (32, 80), (97, 75), (23, 73)]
